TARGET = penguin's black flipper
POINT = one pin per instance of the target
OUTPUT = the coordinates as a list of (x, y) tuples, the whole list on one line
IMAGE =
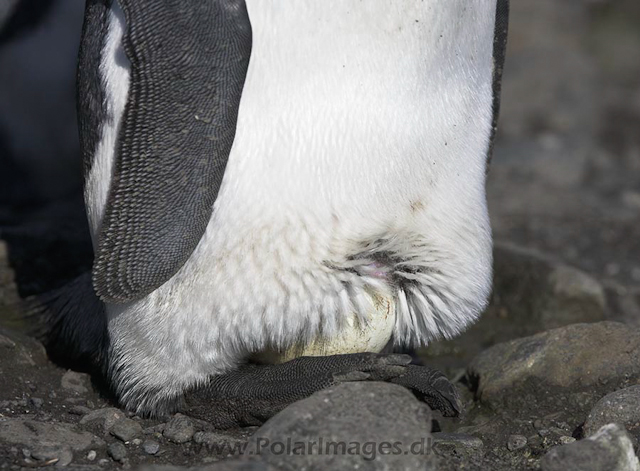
[(188, 62), (254, 393), (500, 33)]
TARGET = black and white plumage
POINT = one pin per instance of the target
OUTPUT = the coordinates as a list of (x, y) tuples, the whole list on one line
[(259, 173)]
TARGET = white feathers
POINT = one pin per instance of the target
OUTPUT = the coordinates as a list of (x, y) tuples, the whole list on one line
[(114, 74), (358, 164)]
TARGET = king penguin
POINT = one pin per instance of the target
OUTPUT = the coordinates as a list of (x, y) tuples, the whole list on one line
[(261, 174)]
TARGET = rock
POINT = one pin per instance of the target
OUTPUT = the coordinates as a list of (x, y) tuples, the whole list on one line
[(610, 449), (516, 442), (20, 351), (107, 416), (117, 451), (543, 293), (126, 429), (150, 447), (577, 363), (154, 429), (92, 455), (34, 434), (620, 407), (349, 426), (76, 382), (180, 429), (79, 410), (36, 402), (532, 293), (61, 455)]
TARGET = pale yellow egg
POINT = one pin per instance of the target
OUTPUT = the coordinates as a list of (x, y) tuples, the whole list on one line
[(354, 337)]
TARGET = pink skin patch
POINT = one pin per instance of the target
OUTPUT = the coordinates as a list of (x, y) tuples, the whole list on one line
[(377, 270)]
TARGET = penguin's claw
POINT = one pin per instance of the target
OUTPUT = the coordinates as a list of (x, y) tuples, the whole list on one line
[(252, 394), (432, 387)]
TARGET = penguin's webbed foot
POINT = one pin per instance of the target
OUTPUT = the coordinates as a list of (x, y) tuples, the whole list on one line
[(253, 393)]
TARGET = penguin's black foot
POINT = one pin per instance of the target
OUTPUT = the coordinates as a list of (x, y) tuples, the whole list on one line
[(252, 394)]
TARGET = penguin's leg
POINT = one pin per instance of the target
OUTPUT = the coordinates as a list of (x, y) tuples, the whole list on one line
[(253, 393)]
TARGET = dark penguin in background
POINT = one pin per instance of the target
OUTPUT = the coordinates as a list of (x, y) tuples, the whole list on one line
[(271, 179), (39, 151)]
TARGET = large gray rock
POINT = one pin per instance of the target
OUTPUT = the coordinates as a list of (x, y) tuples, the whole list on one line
[(350, 426), (622, 406), (23, 362), (531, 293), (20, 351), (570, 366), (541, 293), (608, 449)]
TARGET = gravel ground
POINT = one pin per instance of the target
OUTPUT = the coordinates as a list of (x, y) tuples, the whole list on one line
[(548, 370)]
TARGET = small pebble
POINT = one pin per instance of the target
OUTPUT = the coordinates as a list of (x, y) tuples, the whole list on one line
[(79, 410), (108, 416), (65, 458), (117, 451), (179, 429), (126, 429), (151, 447), (516, 442), (74, 381), (566, 439), (538, 424), (136, 441), (36, 402), (155, 429), (91, 455)]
